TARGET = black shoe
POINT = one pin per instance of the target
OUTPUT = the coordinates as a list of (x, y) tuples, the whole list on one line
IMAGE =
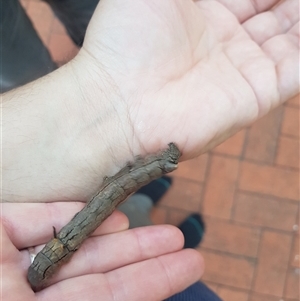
[(193, 229)]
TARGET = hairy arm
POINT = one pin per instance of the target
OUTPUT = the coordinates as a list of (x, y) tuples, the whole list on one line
[(149, 72), (53, 147)]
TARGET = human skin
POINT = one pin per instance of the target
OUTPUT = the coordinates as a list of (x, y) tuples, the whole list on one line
[(139, 264), (149, 72)]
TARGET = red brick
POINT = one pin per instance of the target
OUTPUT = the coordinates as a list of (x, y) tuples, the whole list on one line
[(272, 263), (260, 297), (176, 217), (232, 146), (290, 124), (192, 169), (262, 137), (212, 286), (292, 284), (229, 294), (265, 211), (228, 270), (232, 238), (295, 256), (24, 3), (220, 187), (183, 195), (294, 102), (40, 9), (288, 152), (42, 17), (58, 27), (275, 181), (62, 48), (159, 215)]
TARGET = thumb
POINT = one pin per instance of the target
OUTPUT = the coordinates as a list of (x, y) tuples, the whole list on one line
[(14, 266), (9, 253)]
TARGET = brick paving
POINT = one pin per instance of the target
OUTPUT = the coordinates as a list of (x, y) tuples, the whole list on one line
[(246, 188)]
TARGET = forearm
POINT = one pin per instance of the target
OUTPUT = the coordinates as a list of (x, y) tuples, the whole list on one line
[(55, 144)]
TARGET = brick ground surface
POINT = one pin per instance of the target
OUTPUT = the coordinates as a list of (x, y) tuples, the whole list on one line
[(246, 188)]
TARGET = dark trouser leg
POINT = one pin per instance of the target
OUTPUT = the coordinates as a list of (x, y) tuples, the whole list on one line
[(196, 292), (23, 56), (75, 15)]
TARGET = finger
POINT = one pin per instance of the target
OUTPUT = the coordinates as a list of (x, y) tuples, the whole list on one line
[(149, 280), (30, 224), (248, 8), (287, 14), (12, 266), (109, 252), (276, 22)]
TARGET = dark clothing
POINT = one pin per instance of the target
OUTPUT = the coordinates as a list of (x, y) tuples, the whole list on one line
[(196, 292)]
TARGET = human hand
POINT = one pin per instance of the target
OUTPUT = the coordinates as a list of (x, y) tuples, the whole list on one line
[(149, 73), (114, 264), (193, 72)]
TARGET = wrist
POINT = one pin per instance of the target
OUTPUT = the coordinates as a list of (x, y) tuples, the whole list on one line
[(62, 134)]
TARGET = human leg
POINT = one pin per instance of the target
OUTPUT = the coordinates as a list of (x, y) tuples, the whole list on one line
[(139, 205), (138, 208)]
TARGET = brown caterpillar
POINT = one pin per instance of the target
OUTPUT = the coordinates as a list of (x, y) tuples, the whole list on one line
[(114, 190)]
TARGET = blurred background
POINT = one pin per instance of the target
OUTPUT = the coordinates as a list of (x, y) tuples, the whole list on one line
[(247, 190)]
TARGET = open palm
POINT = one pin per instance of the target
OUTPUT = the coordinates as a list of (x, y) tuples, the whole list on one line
[(195, 72), (150, 73)]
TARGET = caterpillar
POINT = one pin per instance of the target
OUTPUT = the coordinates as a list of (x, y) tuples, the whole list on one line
[(113, 191)]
